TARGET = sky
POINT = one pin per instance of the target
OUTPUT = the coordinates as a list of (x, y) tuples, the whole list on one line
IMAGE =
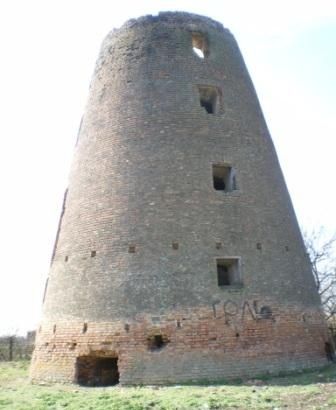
[(48, 49)]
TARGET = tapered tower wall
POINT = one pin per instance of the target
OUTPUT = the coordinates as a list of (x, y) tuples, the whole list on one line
[(178, 278)]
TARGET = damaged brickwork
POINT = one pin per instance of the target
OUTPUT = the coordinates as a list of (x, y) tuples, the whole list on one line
[(222, 341), (178, 255)]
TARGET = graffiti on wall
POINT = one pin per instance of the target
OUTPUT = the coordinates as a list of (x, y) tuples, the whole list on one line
[(232, 311)]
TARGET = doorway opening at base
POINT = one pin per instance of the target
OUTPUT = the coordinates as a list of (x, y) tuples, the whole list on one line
[(97, 371)]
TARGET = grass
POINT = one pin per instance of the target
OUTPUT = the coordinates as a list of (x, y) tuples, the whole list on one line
[(306, 390)]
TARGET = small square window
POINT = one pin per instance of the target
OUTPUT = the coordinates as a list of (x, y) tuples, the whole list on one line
[(199, 44), (224, 178), (131, 249), (209, 98), (228, 273)]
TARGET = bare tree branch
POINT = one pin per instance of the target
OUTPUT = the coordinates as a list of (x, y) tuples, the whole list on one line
[(322, 253)]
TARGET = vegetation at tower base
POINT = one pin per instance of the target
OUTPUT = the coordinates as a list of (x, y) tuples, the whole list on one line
[(308, 389), (178, 255), (14, 347)]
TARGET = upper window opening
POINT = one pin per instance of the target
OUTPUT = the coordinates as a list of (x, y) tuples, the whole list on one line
[(228, 273), (209, 98), (224, 178), (131, 249), (198, 52), (200, 45)]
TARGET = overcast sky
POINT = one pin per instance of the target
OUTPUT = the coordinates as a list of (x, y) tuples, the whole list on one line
[(48, 50)]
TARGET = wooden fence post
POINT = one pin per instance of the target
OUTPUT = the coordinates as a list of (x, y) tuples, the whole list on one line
[(11, 343)]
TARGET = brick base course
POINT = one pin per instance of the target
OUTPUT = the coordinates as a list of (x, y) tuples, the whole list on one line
[(201, 344)]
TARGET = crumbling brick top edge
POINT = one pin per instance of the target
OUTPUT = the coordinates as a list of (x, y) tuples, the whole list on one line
[(169, 17)]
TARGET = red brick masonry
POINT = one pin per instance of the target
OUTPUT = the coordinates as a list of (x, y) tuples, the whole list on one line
[(223, 341), (160, 275)]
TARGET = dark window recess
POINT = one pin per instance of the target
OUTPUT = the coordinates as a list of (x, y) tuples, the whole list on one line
[(93, 254), (224, 178), (157, 342), (330, 353), (209, 98), (85, 327), (175, 245), (228, 272), (265, 312), (131, 249), (208, 106), (97, 371), (66, 258), (200, 44)]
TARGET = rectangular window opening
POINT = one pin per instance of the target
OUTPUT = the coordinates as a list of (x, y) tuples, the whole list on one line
[(131, 249), (97, 371), (228, 273), (200, 44), (224, 178), (209, 98)]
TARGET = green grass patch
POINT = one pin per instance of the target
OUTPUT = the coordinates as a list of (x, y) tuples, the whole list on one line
[(306, 390)]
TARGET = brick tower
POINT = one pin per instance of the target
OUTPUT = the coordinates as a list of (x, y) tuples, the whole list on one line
[(178, 255)]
